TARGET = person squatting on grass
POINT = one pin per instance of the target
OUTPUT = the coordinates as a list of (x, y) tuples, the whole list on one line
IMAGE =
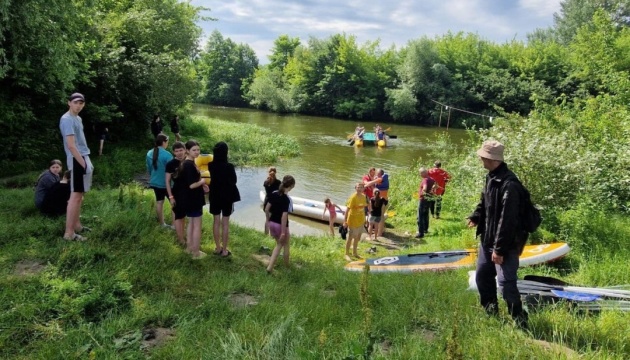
[(277, 213), (193, 197), (271, 184), (441, 178), (500, 231), (56, 199), (45, 182), (223, 194), (354, 219), (78, 159), (156, 161), (378, 204), (332, 214), (175, 191)]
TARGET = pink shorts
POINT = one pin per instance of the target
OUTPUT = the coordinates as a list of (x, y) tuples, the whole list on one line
[(275, 230)]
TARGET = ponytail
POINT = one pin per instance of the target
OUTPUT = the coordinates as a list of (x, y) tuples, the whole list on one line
[(159, 141), (287, 182), (271, 177)]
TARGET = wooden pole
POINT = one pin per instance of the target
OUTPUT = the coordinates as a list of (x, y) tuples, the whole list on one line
[(449, 119), (440, 122)]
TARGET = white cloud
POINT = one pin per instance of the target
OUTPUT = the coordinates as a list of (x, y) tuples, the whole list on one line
[(259, 22), (542, 8)]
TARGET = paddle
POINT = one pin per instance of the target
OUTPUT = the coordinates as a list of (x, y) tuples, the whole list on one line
[(443, 253), (546, 280), (534, 285)]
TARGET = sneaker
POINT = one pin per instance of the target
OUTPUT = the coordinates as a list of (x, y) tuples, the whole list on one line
[(75, 237), (84, 229), (419, 236), (167, 226)]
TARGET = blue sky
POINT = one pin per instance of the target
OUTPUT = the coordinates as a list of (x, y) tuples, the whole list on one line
[(259, 22)]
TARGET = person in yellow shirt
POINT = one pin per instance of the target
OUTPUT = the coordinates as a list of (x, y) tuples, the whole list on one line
[(355, 219)]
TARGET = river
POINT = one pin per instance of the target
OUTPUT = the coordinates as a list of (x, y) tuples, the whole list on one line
[(328, 166)]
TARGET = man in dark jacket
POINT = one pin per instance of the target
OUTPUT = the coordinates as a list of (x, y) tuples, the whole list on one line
[(502, 238)]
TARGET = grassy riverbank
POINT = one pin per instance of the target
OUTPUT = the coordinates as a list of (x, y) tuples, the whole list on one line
[(108, 297)]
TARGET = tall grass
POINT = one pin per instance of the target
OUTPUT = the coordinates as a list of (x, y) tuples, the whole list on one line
[(95, 299)]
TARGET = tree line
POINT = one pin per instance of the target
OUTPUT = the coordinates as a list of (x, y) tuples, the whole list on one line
[(135, 58)]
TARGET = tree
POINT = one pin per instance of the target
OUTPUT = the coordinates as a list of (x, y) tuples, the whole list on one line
[(283, 49), (227, 69), (576, 13)]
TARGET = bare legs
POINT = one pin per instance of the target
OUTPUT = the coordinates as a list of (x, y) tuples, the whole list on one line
[(331, 225), (194, 238), (354, 236), (282, 242), (221, 233), (73, 212), (159, 207), (100, 147), (179, 229)]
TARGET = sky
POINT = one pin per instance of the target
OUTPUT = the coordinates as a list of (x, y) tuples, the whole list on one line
[(258, 23)]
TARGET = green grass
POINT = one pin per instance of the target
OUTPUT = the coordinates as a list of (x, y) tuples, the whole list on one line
[(95, 299)]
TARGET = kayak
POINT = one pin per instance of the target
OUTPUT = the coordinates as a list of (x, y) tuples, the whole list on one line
[(454, 259)]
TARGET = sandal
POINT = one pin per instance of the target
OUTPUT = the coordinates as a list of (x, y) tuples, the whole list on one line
[(83, 229), (217, 251), (75, 237), (229, 253)]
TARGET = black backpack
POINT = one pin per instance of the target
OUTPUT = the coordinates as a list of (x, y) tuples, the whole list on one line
[(530, 215)]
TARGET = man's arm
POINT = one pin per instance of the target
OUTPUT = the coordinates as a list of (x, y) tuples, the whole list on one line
[(509, 218), (72, 146)]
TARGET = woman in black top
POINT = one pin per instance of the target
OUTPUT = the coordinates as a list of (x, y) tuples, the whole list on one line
[(223, 195), (271, 184), (277, 211), (193, 198)]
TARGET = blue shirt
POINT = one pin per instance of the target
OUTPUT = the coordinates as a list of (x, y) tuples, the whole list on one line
[(158, 176), (384, 185), (71, 125)]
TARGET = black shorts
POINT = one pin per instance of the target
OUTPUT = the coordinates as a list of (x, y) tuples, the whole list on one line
[(179, 211), (160, 194), (217, 208)]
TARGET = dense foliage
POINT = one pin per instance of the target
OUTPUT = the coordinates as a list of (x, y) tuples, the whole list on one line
[(131, 59)]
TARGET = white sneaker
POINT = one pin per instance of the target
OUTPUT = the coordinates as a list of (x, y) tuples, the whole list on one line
[(167, 226)]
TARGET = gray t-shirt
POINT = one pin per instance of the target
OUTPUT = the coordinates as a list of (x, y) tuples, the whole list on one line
[(73, 125)]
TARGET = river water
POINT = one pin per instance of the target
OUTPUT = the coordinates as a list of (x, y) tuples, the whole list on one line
[(328, 166)]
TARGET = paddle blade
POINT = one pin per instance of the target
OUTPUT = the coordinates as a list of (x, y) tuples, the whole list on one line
[(546, 280), (575, 296)]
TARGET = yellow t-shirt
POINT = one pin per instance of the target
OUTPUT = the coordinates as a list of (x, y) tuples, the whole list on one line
[(356, 213)]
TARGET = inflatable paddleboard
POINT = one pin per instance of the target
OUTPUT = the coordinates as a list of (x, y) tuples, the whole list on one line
[(454, 259)]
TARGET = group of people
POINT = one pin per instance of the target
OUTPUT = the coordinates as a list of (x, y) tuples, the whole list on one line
[(157, 127), (430, 191), (179, 178), (496, 217)]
